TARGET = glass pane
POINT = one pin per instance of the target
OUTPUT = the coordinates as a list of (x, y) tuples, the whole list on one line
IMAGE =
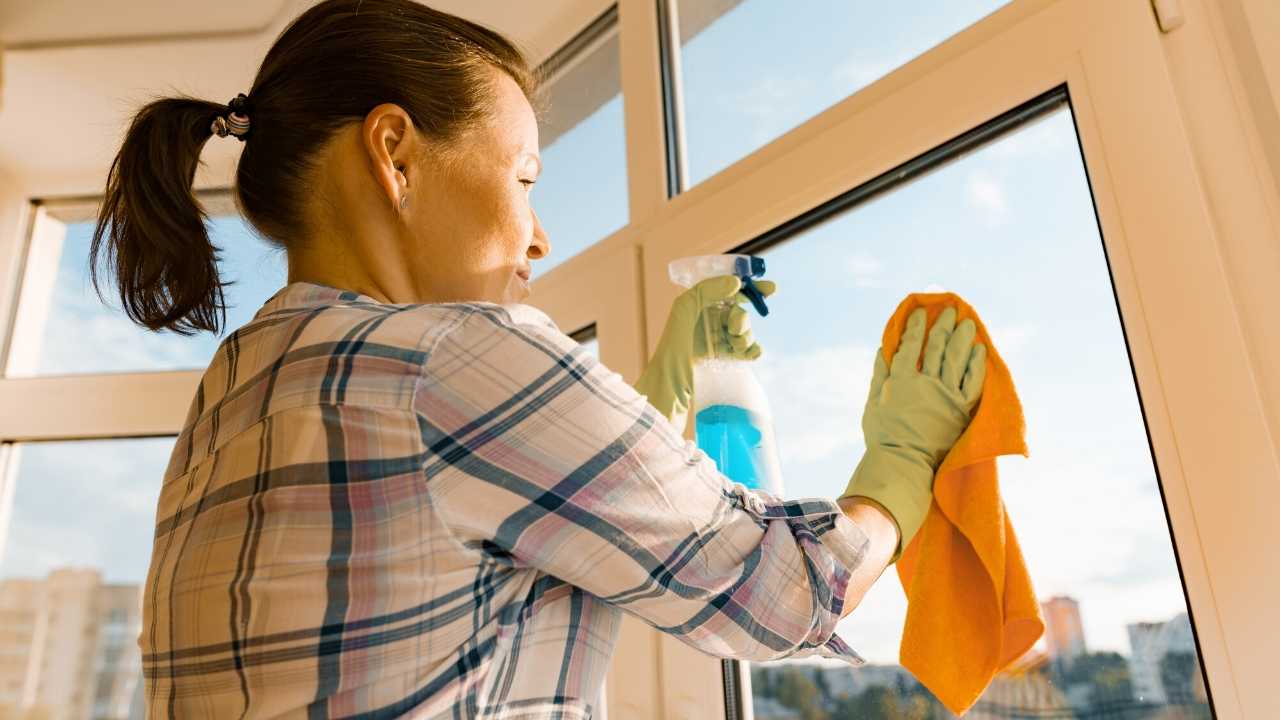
[(76, 551), (753, 69), (581, 196), (1009, 227), (79, 334)]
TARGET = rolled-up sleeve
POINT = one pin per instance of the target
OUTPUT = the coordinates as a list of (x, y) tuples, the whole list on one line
[(542, 457)]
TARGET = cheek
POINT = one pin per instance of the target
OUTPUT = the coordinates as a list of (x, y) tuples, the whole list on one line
[(484, 225), (517, 226)]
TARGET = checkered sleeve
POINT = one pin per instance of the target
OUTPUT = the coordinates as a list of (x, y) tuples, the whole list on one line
[(542, 457)]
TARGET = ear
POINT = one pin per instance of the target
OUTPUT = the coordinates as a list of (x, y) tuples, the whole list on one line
[(391, 143)]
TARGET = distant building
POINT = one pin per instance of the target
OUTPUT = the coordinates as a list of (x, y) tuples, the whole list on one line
[(1149, 643), (68, 647), (1064, 631)]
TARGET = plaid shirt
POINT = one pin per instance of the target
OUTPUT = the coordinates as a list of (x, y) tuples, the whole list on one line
[(441, 510)]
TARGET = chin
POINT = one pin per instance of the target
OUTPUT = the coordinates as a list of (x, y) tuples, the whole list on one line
[(517, 294)]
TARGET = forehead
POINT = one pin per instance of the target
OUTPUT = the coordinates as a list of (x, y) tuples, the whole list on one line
[(513, 124)]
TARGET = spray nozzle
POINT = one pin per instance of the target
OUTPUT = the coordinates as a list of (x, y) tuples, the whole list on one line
[(746, 268), (689, 271)]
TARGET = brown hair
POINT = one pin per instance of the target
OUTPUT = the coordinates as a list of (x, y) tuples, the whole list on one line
[(330, 66)]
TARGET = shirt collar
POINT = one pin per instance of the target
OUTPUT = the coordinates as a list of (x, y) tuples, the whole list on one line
[(299, 295)]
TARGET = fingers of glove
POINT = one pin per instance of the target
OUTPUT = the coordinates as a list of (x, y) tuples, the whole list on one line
[(956, 358), (716, 289), (737, 349), (740, 343), (766, 288), (738, 322), (974, 376), (904, 361), (937, 343), (878, 376)]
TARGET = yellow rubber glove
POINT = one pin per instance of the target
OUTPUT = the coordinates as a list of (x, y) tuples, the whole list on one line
[(667, 380), (913, 417)]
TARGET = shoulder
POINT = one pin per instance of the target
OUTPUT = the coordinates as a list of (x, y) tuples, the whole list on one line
[(497, 353), (419, 328), (503, 334), (483, 318)]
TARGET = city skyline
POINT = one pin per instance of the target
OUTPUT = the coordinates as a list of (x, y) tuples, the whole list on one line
[(68, 647)]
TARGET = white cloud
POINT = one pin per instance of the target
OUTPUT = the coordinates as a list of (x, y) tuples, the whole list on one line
[(1010, 340), (818, 399), (34, 549), (86, 335), (987, 195), (1096, 534), (865, 271), (874, 628), (1044, 137), (769, 104), (857, 73), (85, 503)]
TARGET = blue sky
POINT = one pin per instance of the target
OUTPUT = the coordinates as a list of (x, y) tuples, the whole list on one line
[(84, 336), (1009, 227)]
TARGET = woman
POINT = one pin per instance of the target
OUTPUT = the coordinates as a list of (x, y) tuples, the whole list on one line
[(400, 491)]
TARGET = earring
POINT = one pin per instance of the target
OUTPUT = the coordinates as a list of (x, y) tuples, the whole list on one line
[(404, 202)]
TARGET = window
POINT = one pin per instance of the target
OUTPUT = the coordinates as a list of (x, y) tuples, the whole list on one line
[(586, 337), (750, 70), (63, 328), (581, 196), (1010, 227), (76, 550)]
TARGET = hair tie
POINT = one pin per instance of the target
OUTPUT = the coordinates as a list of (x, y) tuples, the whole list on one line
[(236, 121)]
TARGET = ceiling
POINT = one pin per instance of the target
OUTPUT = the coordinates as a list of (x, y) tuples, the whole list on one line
[(74, 71)]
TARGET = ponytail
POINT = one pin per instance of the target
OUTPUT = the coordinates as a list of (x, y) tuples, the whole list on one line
[(333, 64), (156, 242)]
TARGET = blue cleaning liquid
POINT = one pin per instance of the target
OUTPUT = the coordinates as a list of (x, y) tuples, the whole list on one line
[(730, 435)]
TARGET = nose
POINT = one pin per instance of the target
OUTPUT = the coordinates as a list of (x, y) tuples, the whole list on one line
[(541, 246)]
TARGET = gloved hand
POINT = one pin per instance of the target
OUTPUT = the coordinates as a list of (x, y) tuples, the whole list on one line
[(913, 417), (668, 378)]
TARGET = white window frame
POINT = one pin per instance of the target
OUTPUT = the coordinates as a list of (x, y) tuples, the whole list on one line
[(1183, 200), (1156, 204)]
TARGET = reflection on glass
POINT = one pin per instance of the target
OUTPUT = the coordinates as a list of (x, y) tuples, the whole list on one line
[(79, 334), (76, 551), (1011, 229), (753, 69), (581, 196)]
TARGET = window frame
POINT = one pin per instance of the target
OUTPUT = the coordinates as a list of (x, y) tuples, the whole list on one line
[(100, 405), (1213, 446), (1149, 201)]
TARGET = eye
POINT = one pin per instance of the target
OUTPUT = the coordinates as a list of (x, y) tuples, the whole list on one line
[(527, 183)]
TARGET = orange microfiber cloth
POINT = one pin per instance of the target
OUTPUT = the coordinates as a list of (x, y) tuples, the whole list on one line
[(971, 611)]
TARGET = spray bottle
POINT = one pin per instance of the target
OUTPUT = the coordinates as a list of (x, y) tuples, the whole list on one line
[(733, 423)]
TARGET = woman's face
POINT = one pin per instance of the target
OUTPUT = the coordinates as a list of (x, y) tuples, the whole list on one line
[(474, 214)]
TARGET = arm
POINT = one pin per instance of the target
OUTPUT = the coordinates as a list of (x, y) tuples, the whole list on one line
[(543, 458), (882, 535)]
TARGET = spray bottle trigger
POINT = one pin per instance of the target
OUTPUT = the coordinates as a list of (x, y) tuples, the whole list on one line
[(754, 295)]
